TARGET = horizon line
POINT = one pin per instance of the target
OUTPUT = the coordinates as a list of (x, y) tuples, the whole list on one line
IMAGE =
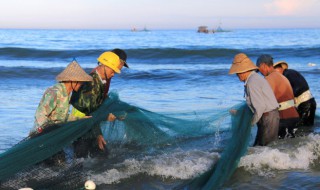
[(150, 29)]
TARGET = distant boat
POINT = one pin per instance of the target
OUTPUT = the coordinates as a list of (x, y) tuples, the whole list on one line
[(219, 29), (134, 30), (145, 29), (204, 29), (137, 30)]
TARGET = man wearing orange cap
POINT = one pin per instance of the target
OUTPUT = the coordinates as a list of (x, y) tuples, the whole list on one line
[(282, 89), (91, 95), (304, 101), (260, 99)]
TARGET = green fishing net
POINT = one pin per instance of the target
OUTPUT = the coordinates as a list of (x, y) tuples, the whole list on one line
[(21, 165), (235, 149)]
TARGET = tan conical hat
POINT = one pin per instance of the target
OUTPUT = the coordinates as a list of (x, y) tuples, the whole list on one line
[(241, 63), (284, 64), (73, 72)]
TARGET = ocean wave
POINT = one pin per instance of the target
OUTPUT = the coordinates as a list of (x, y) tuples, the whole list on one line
[(264, 161), (179, 165), (29, 72), (188, 54), (18, 53), (140, 74)]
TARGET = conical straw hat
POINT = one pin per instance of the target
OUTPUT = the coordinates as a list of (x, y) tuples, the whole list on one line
[(283, 64), (241, 63), (73, 72)]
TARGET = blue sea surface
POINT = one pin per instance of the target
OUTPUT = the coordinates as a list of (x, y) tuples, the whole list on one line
[(171, 72)]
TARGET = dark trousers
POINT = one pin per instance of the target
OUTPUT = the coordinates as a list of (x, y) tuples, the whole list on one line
[(287, 127), (56, 160), (268, 127), (307, 111), (87, 147)]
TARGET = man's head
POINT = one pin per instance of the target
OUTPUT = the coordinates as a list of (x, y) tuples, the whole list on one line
[(109, 64), (74, 75), (122, 55), (280, 66), (242, 66), (265, 64)]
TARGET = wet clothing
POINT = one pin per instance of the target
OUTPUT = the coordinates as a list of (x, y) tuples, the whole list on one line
[(286, 127), (306, 105), (87, 100), (53, 108), (268, 127), (262, 102), (307, 111), (284, 95)]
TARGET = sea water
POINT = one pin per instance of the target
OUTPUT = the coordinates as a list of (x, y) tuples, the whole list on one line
[(171, 72)]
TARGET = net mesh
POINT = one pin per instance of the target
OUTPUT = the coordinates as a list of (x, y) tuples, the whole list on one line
[(141, 127), (235, 149)]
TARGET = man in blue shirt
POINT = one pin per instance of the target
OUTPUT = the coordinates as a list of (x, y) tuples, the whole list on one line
[(260, 99)]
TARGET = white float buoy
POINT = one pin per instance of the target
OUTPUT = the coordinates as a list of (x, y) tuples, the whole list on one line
[(26, 188), (89, 185)]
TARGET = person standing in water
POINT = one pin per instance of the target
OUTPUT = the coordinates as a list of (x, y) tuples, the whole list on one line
[(260, 99), (304, 101), (91, 95), (282, 89), (54, 105)]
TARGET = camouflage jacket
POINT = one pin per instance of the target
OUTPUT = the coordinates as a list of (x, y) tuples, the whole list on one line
[(89, 97), (53, 108)]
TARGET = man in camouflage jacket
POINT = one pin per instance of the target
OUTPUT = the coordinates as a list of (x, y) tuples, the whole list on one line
[(54, 105), (91, 95)]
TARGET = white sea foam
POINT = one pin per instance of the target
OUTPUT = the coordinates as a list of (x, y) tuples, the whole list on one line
[(311, 64), (265, 160), (179, 165)]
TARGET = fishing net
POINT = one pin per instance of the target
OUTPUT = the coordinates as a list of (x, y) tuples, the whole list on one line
[(235, 149), (22, 165)]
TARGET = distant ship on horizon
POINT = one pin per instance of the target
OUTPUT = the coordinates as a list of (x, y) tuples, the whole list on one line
[(134, 29), (204, 29)]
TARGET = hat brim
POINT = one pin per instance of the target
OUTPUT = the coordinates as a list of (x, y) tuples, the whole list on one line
[(125, 64), (240, 69), (283, 64)]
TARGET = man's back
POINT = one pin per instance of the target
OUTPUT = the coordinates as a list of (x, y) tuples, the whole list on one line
[(297, 81), (283, 92)]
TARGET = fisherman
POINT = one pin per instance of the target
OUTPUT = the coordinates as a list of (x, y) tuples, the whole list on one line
[(304, 101), (54, 105), (282, 89), (91, 95), (260, 99)]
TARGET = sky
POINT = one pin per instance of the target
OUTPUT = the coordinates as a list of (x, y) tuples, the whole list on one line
[(158, 14)]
